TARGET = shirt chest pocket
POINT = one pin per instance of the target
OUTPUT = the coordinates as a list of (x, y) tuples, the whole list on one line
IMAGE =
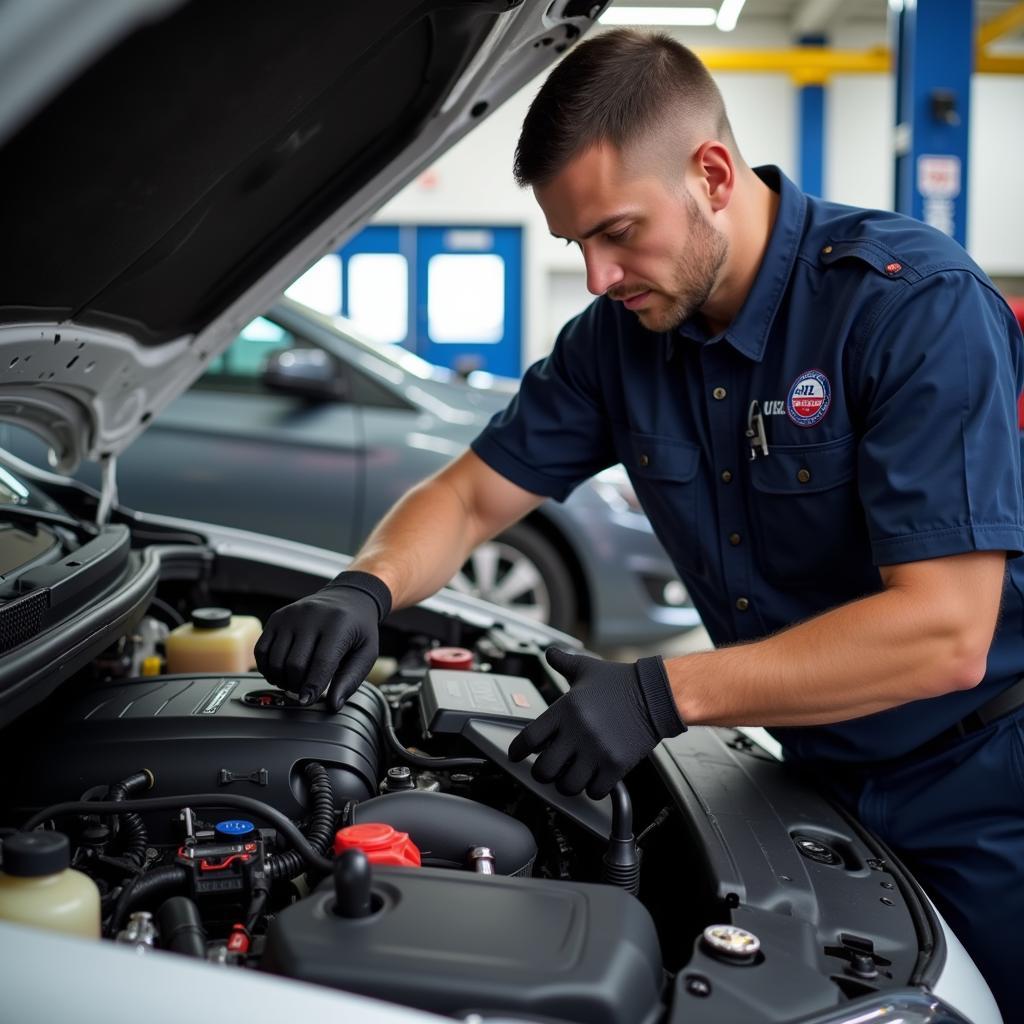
[(665, 475), (806, 510)]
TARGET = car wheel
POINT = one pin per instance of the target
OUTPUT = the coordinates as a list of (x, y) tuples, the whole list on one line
[(520, 569)]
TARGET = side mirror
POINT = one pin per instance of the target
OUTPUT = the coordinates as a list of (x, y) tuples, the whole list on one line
[(308, 373)]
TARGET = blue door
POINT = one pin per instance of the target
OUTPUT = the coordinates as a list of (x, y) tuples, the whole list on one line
[(469, 282), (452, 295)]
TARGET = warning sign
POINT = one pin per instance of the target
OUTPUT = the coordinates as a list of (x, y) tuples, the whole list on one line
[(938, 177)]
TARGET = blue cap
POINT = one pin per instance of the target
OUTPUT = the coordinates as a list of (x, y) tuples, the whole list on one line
[(235, 828)]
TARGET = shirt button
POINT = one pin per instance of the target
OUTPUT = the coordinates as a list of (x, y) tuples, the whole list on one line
[(803, 475), (726, 476), (827, 249), (734, 539), (719, 393), (644, 460), (742, 604)]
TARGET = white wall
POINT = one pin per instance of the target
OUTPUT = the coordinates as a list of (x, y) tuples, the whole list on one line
[(995, 183), (473, 182)]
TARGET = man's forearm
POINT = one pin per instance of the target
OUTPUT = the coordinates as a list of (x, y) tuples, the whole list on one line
[(424, 540), (420, 544), (884, 650)]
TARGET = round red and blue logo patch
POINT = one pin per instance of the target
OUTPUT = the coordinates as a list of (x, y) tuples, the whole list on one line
[(809, 398)]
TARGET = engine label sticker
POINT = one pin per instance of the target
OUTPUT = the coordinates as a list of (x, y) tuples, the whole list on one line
[(809, 398), (212, 704)]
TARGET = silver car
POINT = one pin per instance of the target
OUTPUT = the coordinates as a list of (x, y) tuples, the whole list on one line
[(301, 430), (168, 168)]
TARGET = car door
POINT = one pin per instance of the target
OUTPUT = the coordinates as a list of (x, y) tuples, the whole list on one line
[(231, 450)]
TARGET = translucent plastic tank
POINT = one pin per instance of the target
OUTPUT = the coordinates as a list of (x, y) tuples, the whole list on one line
[(214, 641), (38, 888)]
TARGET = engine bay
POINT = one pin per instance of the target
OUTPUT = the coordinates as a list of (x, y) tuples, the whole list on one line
[(392, 850)]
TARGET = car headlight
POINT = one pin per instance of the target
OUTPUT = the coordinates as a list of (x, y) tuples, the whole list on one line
[(614, 487), (901, 1007)]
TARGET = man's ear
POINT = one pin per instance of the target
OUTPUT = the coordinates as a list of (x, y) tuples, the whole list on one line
[(716, 172)]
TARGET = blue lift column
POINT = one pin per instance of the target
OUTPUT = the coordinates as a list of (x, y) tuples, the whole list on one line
[(934, 49), (811, 125)]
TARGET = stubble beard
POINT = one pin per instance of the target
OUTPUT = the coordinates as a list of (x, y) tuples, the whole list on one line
[(695, 274)]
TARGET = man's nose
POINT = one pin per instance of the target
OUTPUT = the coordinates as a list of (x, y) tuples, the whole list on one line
[(602, 274)]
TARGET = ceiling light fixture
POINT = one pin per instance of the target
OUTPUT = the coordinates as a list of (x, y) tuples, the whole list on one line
[(729, 14), (689, 16)]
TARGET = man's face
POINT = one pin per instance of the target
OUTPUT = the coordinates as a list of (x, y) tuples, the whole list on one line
[(644, 239)]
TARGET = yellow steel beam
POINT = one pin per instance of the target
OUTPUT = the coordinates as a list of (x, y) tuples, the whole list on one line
[(998, 65), (813, 65), (801, 59), (999, 26)]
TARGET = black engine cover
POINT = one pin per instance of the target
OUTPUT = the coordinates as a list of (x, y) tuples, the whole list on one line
[(196, 734), (456, 943)]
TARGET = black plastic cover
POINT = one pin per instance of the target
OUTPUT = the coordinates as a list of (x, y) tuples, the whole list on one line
[(60, 615), (457, 943), (196, 734), (445, 827), (450, 698)]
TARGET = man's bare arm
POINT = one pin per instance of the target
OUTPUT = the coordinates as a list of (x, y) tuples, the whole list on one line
[(927, 633), (426, 537)]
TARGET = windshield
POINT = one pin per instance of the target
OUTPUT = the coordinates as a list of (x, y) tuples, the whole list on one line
[(394, 355)]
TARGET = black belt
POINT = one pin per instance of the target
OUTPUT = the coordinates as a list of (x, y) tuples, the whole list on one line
[(1001, 704)]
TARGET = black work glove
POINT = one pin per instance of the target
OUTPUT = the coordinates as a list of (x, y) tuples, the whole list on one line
[(332, 634), (614, 715)]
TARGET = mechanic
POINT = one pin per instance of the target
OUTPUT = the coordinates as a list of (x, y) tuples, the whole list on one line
[(816, 405)]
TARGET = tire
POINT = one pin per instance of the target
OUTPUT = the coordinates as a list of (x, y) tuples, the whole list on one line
[(521, 570)]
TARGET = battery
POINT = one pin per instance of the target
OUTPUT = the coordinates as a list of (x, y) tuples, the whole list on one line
[(449, 698)]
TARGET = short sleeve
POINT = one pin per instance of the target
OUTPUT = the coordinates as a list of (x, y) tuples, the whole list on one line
[(939, 463), (555, 433)]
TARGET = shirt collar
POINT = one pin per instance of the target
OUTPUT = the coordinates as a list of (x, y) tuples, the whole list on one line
[(748, 333)]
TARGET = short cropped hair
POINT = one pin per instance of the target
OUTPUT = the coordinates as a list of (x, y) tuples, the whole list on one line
[(619, 87)]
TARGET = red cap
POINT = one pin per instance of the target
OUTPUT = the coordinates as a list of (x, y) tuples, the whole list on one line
[(381, 843), (450, 657)]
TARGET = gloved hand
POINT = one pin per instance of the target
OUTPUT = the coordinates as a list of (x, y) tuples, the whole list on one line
[(333, 633), (613, 716)]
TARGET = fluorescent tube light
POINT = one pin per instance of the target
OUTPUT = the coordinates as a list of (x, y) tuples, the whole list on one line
[(729, 14), (689, 16)]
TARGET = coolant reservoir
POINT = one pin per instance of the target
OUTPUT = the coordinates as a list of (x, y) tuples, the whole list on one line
[(38, 888), (214, 641)]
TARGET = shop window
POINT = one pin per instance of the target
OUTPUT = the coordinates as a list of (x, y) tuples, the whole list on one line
[(378, 295), (466, 298), (320, 286)]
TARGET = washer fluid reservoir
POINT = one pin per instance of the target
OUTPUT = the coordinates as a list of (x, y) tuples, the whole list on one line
[(214, 641), (38, 888)]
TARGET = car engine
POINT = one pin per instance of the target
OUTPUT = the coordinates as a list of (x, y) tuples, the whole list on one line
[(393, 850)]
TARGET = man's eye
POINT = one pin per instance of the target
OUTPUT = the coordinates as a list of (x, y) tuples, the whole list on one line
[(618, 236)]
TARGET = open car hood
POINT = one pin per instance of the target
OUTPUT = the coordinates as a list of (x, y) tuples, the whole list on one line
[(169, 168)]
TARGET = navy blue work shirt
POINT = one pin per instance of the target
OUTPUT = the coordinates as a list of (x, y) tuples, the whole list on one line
[(885, 368)]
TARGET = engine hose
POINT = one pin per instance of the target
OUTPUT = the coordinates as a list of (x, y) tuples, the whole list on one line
[(417, 760), (256, 907), (158, 882), (181, 927), (170, 803), (319, 832), (621, 861), (285, 865), (130, 824)]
